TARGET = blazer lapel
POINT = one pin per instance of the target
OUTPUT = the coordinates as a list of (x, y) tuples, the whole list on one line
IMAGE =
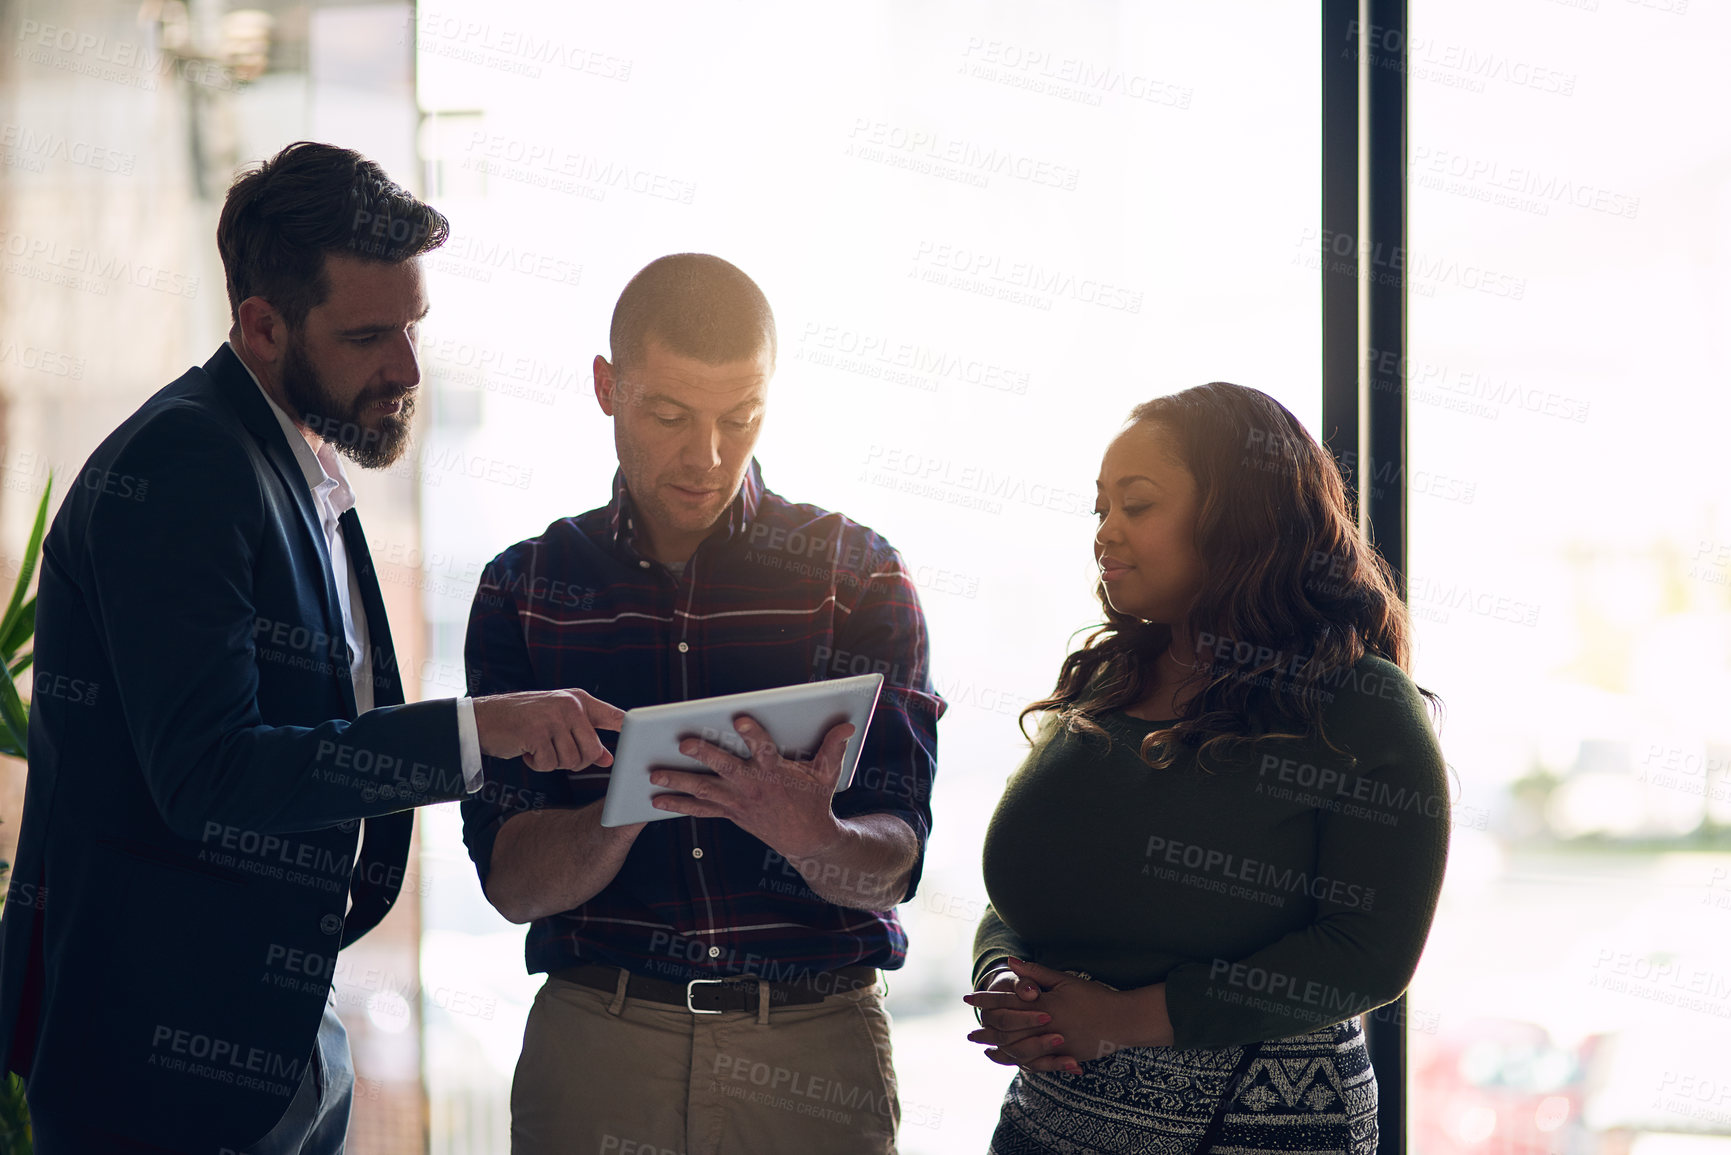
[(378, 874), (387, 680), (377, 877), (237, 387)]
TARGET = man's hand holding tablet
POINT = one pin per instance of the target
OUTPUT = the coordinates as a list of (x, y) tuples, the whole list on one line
[(768, 760), (783, 802)]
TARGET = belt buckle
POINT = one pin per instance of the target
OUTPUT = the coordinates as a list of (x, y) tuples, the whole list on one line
[(698, 1010)]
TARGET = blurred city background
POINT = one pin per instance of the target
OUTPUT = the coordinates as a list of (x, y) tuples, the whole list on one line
[(988, 231)]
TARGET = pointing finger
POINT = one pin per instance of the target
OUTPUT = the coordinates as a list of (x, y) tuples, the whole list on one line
[(602, 715)]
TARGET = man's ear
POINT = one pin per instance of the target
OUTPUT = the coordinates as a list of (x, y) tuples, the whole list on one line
[(263, 331), (604, 385)]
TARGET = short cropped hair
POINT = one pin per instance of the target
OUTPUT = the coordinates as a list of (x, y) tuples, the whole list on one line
[(696, 305), (281, 218)]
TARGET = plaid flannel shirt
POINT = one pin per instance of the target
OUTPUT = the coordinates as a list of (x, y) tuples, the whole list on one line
[(778, 593)]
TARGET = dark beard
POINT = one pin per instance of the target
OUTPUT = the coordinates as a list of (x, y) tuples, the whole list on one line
[(326, 416)]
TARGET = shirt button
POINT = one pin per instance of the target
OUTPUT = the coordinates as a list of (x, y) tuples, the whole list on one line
[(697, 852), (714, 951), (683, 647), (643, 564)]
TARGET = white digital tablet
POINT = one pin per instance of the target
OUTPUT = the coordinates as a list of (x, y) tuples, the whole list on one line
[(795, 717)]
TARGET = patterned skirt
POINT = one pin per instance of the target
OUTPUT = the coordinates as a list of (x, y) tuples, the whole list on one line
[(1311, 1093)]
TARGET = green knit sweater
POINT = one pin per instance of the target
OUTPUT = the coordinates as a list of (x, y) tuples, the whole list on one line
[(1289, 889)]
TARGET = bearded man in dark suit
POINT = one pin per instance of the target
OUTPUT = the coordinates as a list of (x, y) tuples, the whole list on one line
[(187, 863)]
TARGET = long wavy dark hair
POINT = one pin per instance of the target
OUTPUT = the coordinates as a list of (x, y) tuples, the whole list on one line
[(1291, 590)]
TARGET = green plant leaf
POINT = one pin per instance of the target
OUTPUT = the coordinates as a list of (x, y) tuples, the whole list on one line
[(32, 551), (14, 715), (22, 630), (22, 664)]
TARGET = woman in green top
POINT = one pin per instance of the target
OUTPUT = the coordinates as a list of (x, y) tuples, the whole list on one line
[(1227, 841)]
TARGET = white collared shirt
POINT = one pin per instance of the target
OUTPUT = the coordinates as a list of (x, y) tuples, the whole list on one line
[(333, 497)]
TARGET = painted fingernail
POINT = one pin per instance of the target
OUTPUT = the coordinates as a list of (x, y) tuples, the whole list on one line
[(1054, 1040), (1043, 1020)]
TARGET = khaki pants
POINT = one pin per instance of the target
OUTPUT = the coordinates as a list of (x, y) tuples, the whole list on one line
[(601, 1074)]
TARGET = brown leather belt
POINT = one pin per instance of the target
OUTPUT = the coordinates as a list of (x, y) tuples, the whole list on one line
[(713, 996)]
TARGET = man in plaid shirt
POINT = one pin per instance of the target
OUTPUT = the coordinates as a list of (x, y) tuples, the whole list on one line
[(694, 581)]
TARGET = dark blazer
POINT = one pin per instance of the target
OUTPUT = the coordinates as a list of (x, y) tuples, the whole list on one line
[(187, 852)]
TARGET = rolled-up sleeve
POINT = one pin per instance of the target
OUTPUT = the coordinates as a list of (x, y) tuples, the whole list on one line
[(898, 760)]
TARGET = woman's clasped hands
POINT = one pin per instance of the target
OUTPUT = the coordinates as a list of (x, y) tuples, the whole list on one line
[(1041, 1019)]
